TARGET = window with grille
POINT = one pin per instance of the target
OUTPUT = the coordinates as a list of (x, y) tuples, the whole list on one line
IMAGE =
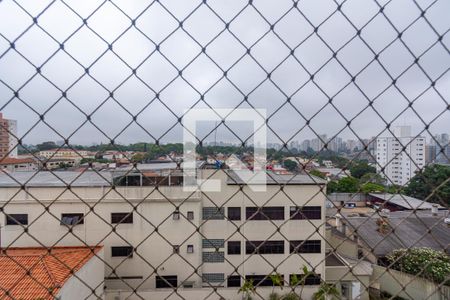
[(213, 277), (213, 243), (213, 257), (213, 213)]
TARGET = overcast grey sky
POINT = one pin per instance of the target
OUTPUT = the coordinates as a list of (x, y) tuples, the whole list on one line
[(276, 51)]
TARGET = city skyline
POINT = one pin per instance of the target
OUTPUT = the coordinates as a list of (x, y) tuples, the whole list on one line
[(294, 80)]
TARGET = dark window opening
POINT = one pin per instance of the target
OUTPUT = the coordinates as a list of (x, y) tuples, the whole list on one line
[(234, 247), (312, 279), (122, 218), (234, 281), (166, 281), (190, 215), (16, 219), (265, 213), (306, 213), (261, 280), (176, 215), (141, 180), (122, 251), (234, 213), (72, 219), (264, 247), (190, 249), (308, 246)]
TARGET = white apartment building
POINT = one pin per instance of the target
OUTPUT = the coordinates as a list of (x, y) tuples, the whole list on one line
[(64, 153), (11, 164), (13, 146), (400, 156), (157, 238), (8, 137)]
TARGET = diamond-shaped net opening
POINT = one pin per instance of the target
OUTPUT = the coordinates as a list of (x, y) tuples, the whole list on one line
[(224, 150)]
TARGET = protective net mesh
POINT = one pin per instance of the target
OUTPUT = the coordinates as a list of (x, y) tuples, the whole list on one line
[(116, 72)]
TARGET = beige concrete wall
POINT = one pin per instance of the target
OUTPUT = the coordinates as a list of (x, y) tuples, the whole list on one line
[(343, 273), (416, 287), (292, 195), (89, 278), (154, 250), (221, 293)]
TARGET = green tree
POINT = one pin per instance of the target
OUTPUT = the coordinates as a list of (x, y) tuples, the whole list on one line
[(370, 187), (347, 185), (247, 289), (46, 146), (432, 182), (428, 263), (372, 178), (290, 165), (295, 281), (138, 157), (332, 187), (277, 280), (359, 169), (326, 291), (318, 174)]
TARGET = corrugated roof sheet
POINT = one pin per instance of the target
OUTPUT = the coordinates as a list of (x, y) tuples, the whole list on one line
[(34, 273), (273, 179), (408, 231), (56, 179), (404, 201)]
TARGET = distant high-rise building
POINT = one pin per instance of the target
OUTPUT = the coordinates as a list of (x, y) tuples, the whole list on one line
[(294, 145), (372, 145), (335, 144), (8, 140), (430, 153), (306, 144), (350, 145), (400, 156), (442, 148), (318, 143)]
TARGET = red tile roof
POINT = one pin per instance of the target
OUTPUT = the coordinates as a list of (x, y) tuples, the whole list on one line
[(36, 273), (13, 161)]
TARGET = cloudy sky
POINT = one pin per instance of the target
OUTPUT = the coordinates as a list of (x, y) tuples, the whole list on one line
[(157, 66)]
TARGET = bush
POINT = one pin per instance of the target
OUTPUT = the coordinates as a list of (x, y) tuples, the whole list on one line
[(426, 262), (274, 296), (291, 296)]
